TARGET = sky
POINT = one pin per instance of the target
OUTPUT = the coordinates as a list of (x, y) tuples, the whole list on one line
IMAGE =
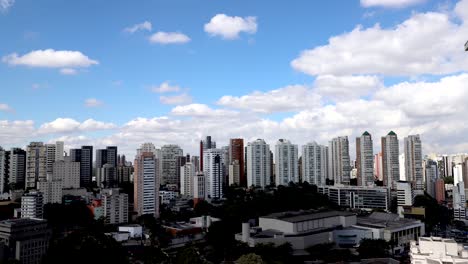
[(171, 72)]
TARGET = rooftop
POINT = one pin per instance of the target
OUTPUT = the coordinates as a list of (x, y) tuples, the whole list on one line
[(384, 220), (301, 216), (22, 221)]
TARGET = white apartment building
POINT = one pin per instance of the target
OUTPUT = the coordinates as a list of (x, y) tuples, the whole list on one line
[(286, 162), (365, 160), (314, 163), (213, 169), (258, 163), (187, 174), (68, 172), (32, 205), (146, 184), (115, 206), (339, 166)]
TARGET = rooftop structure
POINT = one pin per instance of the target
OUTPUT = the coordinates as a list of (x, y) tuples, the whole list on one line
[(437, 250)]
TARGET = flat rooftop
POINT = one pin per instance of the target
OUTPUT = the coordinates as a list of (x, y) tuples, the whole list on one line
[(22, 222), (301, 216), (384, 220)]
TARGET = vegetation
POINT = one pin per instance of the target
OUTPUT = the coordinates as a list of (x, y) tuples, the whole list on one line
[(250, 259), (373, 248), (436, 214)]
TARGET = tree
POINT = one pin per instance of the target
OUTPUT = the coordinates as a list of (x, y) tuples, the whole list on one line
[(250, 259), (373, 248), (189, 255)]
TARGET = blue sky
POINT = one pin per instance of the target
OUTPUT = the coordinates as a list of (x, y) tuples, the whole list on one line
[(205, 69)]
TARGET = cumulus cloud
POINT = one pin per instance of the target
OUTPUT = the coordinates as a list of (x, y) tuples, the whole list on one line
[(145, 26), (202, 110), (286, 99), (165, 38), (408, 49), (6, 108), (390, 3), (346, 87), (93, 102), (179, 99), (16, 132), (229, 27), (69, 125), (165, 87), (5, 5), (50, 58), (68, 71)]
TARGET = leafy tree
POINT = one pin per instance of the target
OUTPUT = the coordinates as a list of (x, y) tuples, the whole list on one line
[(250, 259), (435, 213), (189, 255), (373, 248)]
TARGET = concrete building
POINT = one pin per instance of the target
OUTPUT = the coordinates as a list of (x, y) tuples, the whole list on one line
[(314, 163), (430, 250), (149, 147), (51, 190), (405, 195), (378, 167), (392, 228), (358, 197), (115, 206), (68, 171), (59, 150), (50, 157), (135, 231), (205, 145), (85, 157), (168, 164), (24, 240), (199, 186), (36, 164), (124, 174), (390, 160), (236, 152), (17, 169), (440, 191), (365, 160), (259, 162), (339, 166), (286, 162), (301, 229), (146, 184), (32, 205), (4, 170), (459, 201), (432, 174), (413, 162), (106, 176), (213, 169), (187, 175), (234, 173)]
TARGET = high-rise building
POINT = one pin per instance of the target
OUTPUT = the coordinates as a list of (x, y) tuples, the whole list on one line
[(149, 147), (85, 157), (199, 186), (17, 169), (68, 171), (187, 175), (390, 160), (124, 173), (258, 163), (286, 160), (51, 190), (213, 169), (101, 158), (115, 206), (365, 160), (112, 156), (32, 205), (146, 184), (236, 152), (413, 162), (234, 173), (106, 176), (50, 157), (169, 155), (196, 162), (59, 150), (36, 164), (432, 174), (180, 161), (339, 166), (405, 195), (314, 163), (459, 201), (24, 240), (4, 170), (440, 191), (204, 145)]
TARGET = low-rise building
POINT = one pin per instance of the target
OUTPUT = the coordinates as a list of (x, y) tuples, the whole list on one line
[(430, 250), (135, 231), (32, 205), (358, 197)]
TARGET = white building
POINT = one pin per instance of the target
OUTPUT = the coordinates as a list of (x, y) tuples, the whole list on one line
[(146, 184), (50, 157), (258, 163), (32, 205), (51, 190), (168, 164), (199, 186), (358, 197), (213, 169), (166, 197), (135, 231), (339, 166), (459, 201), (187, 174), (365, 160), (405, 195), (430, 250), (286, 162), (59, 150), (115, 206), (68, 172), (314, 163), (413, 162)]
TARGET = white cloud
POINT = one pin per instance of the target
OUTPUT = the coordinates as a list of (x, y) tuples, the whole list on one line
[(346, 87), (16, 132), (68, 71), (426, 43), (5, 5), (201, 110), (50, 59), (165, 87), (6, 108), (229, 27), (145, 26), (69, 125), (290, 98), (390, 3), (179, 99), (169, 38), (93, 102)]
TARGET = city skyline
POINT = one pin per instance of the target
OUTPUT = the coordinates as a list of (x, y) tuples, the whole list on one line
[(145, 75)]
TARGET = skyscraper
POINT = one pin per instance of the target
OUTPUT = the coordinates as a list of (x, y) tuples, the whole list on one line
[(258, 163), (169, 155), (286, 160), (339, 167), (4, 170), (59, 150), (68, 171), (390, 160), (236, 152), (432, 174), (187, 175), (365, 160), (413, 162), (85, 157), (112, 156), (146, 184), (17, 169), (36, 164), (204, 145), (101, 158), (314, 163), (213, 169), (50, 157)]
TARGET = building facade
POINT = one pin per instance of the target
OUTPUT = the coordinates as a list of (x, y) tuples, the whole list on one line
[(339, 166), (365, 160), (314, 163), (146, 184), (258, 163), (286, 162), (413, 162)]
